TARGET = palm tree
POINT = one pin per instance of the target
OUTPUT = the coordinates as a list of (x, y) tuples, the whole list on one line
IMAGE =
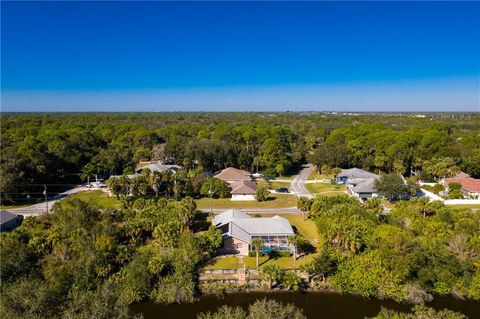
[(336, 171), (257, 245), (87, 171), (155, 178), (186, 209), (304, 204), (271, 273), (291, 280), (294, 240)]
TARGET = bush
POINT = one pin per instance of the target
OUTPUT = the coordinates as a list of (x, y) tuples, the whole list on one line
[(279, 253)]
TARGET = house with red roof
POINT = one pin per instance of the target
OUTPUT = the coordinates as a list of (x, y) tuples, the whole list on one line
[(470, 186)]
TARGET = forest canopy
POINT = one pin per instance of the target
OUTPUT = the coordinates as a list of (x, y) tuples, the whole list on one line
[(55, 148)]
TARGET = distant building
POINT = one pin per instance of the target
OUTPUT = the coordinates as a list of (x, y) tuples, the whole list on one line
[(239, 229), (156, 166), (9, 221), (360, 183), (241, 183), (470, 186)]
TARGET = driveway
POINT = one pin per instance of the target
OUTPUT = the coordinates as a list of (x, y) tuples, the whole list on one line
[(37, 209), (298, 183)]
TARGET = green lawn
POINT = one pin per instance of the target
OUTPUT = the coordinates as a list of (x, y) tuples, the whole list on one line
[(99, 198), (229, 262), (316, 188), (274, 185), (306, 228), (276, 201), (314, 175), (16, 206), (463, 206)]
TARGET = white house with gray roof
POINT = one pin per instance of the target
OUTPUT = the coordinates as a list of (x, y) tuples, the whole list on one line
[(360, 183), (239, 229)]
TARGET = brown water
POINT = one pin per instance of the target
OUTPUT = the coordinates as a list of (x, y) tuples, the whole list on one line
[(314, 305)]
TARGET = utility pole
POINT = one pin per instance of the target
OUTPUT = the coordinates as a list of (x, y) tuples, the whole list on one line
[(175, 184), (210, 193), (46, 198)]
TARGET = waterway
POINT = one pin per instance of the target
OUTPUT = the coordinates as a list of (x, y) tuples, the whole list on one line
[(314, 305)]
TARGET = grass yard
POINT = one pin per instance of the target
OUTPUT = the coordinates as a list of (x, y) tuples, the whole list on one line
[(464, 206), (228, 262), (282, 262), (276, 201), (16, 206), (314, 175), (306, 228), (99, 198), (317, 188), (273, 185)]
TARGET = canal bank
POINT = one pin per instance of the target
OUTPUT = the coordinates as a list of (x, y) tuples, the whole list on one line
[(313, 304)]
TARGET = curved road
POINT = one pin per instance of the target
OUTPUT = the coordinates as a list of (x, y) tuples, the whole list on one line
[(37, 209), (298, 183)]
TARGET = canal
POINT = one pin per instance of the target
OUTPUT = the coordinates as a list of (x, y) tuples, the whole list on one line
[(314, 305)]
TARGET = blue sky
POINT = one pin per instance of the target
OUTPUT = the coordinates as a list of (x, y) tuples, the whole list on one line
[(231, 56)]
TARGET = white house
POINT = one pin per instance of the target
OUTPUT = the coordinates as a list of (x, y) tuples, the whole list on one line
[(360, 183)]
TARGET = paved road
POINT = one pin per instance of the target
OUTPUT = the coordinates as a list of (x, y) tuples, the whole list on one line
[(37, 209), (289, 210), (298, 183)]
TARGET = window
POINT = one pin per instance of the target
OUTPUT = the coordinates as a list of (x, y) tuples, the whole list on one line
[(239, 245)]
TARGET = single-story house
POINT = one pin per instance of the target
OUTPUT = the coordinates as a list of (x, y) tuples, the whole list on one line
[(153, 167), (241, 184), (232, 174), (360, 183), (239, 229), (243, 190), (9, 221), (470, 186), (156, 166)]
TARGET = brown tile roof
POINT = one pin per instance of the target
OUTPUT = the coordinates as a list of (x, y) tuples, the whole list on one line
[(469, 184), (243, 187), (233, 174), (461, 175)]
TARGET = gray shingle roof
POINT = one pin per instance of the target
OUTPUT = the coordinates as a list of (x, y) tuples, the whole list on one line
[(242, 226), (365, 186), (356, 173)]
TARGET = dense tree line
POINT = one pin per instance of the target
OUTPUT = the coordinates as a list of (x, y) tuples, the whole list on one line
[(82, 262), (60, 148), (420, 248)]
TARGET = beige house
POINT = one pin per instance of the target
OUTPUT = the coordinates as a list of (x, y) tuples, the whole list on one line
[(238, 230), (240, 181), (243, 190)]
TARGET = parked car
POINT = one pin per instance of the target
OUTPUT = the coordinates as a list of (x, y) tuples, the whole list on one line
[(282, 190)]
